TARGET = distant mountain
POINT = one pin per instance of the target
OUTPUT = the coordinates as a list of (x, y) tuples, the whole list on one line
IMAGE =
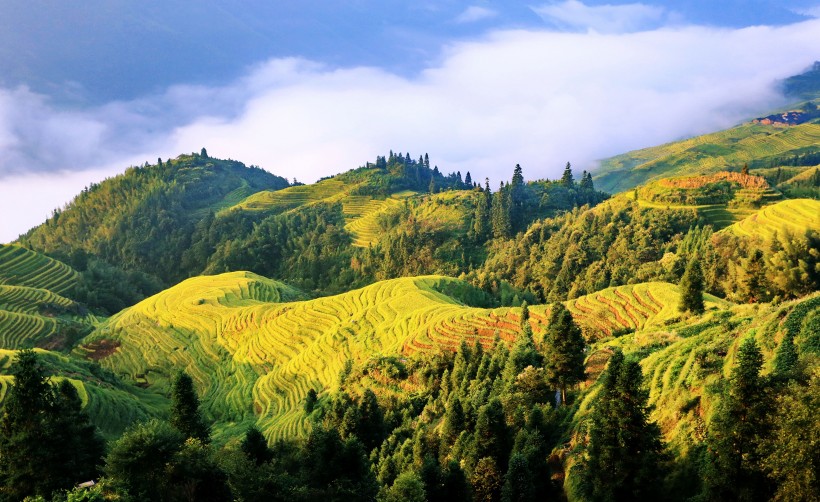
[(805, 85)]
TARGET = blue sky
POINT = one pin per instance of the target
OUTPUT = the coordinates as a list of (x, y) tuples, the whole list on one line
[(311, 88)]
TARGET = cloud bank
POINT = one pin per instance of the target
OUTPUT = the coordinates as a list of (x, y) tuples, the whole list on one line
[(538, 98)]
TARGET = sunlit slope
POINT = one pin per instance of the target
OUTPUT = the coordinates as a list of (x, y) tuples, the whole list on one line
[(111, 404), (254, 352), (361, 211), (22, 267), (710, 153), (793, 216), (719, 199)]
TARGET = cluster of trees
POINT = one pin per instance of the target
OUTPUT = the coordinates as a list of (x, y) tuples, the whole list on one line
[(585, 250)]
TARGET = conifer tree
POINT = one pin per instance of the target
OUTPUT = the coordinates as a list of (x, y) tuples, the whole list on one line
[(733, 470), (486, 481), (624, 447), (563, 350), (24, 437), (691, 288), (468, 180), (501, 213), (518, 482), (482, 224), (185, 415), (566, 179), (255, 446)]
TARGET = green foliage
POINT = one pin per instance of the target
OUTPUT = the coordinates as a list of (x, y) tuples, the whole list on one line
[(185, 414), (691, 285), (46, 442), (563, 350), (789, 454), (624, 447), (733, 460), (255, 446)]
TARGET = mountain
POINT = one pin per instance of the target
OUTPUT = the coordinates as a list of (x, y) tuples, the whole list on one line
[(412, 321)]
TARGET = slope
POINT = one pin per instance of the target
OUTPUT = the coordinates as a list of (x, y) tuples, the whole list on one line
[(710, 153), (254, 348), (143, 219), (794, 216)]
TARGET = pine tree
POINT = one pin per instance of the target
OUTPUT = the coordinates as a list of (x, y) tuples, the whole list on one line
[(516, 197), (563, 350), (482, 224), (255, 446), (691, 288), (468, 180), (24, 437), (185, 414), (518, 482), (624, 447), (486, 481), (566, 179), (733, 470), (501, 213)]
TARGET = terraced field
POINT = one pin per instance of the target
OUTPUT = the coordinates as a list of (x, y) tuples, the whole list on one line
[(254, 350), (22, 267), (111, 404), (361, 211), (706, 154), (794, 216), (362, 215), (733, 207)]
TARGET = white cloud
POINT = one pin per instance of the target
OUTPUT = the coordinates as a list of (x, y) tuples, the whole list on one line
[(574, 15), (475, 13), (536, 98), (809, 11)]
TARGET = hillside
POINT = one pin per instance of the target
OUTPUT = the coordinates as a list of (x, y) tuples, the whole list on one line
[(143, 219), (755, 144)]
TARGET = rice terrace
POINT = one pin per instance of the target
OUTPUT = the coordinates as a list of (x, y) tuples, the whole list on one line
[(432, 252)]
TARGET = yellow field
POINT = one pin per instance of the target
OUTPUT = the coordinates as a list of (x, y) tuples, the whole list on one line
[(254, 350), (794, 216)]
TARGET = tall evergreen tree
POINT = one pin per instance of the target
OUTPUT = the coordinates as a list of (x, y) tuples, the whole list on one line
[(691, 288), (255, 446), (185, 414), (518, 482), (468, 180), (624, 447), (566, 178), (733, 470), (24, 441), (563, 349), (482, 224), (501, 213)]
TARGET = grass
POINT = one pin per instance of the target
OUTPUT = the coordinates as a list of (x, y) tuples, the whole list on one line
[(793, 216), (22, 267)]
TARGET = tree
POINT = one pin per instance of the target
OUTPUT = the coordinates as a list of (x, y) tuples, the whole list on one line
[(468, 180), (255, 446), (566, 179), (24, 437), (482, 224), (78, 446), (203, 153), (691, 288), (408, 487), (486, 481), (624, 447), (733, 461), (500, 213), (789, 454), (563, 350), (518, 482), (310, 401), (138, 460), (185, 414)]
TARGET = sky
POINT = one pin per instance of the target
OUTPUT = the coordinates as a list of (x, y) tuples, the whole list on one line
[(312, 88)]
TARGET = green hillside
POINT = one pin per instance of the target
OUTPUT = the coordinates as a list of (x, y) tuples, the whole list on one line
[(143, 219), (23, 267), (755, 144)]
